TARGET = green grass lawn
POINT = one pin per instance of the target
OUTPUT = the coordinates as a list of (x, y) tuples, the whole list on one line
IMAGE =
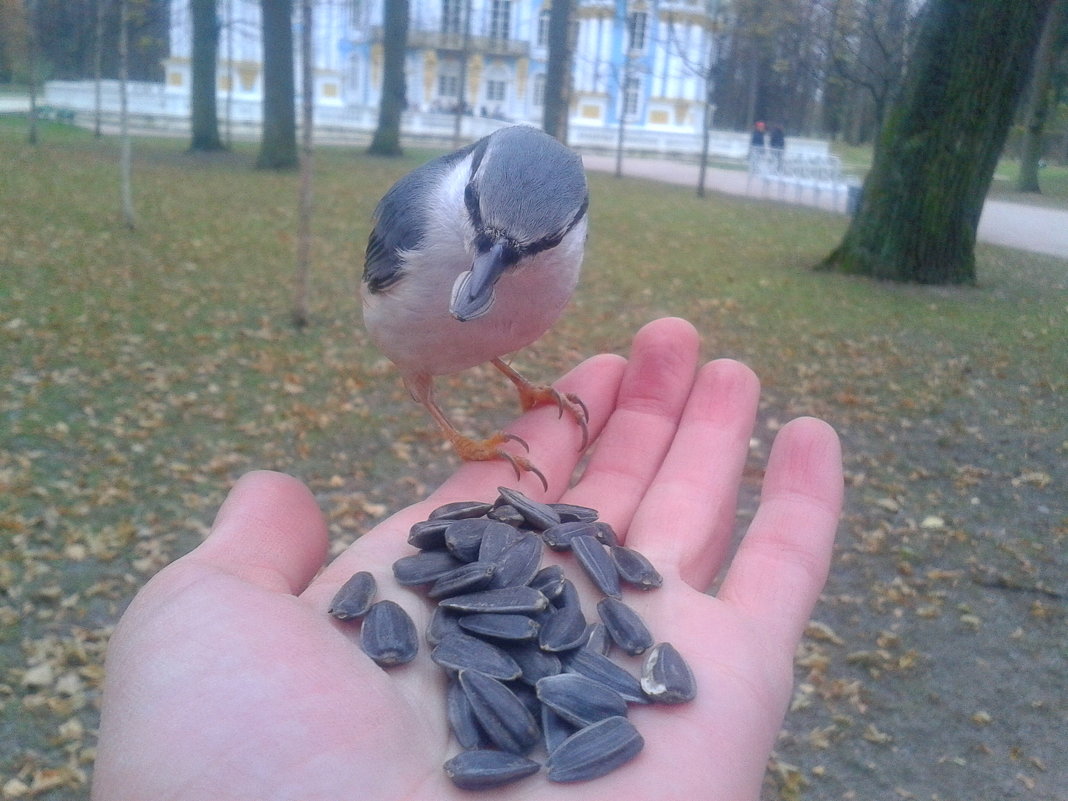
[(143, 371)]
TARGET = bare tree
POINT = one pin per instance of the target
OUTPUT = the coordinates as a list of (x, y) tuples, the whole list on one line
[(125, 156), (205, 59), (278, 142), (304, 218), (386, 141), (98, 58), (558, 70), (1039, 97)]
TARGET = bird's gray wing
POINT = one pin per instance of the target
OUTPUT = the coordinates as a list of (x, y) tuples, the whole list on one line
[(400, 220)]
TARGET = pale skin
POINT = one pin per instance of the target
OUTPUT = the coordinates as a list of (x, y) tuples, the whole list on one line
[(227, 680)]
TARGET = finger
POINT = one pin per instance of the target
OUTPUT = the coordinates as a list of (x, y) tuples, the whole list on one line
[(686, 519), (652, 395), (782, 562), (269, 532)]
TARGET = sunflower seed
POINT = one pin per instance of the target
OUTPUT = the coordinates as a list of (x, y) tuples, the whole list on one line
[(442, 621), (355, 597), (579, 699), (559, 537), (534, 662), (625, 627), (459, 510), (597, 639), (503, 717), (598, 565), (538, 515), (464, 652), (519, 600), (506, 513), (562, 630), (428, 535), (570, 513), (606, 534), (464, 537), (501, 627), (496, 540), (388, 635), (424, 567), (594, 751), (485, 768), (518, 563), (472, 576), (549, 581), (634, 568), (554, 729), (666, 678), (462, 718), (601, 669)]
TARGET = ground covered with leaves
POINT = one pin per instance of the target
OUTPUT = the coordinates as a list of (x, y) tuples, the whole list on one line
[(143, 371)]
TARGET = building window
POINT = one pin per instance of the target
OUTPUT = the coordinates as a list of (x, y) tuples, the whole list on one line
[(636, 24), (539, 90), (448, 85), (632, 88), (496, 91), (451, 21), (500, 20), (543, 29)]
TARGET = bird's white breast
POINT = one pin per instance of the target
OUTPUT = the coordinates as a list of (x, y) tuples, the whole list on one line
[(410, 323)]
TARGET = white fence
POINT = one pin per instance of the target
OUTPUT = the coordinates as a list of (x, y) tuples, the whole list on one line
[(153, 107)]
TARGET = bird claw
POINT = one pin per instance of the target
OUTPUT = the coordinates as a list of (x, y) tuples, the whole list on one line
[(473, 450), (522, 465), (569, 402)]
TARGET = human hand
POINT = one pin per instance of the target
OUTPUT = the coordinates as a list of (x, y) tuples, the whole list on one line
[(226, 679)]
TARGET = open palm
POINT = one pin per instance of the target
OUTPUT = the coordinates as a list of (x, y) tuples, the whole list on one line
[(226, 679)]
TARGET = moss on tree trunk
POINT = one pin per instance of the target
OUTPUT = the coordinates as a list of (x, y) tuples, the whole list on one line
[(939, 145)]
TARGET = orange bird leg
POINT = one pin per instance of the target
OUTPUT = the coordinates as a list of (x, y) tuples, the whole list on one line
[(475, 450), (531, 395)]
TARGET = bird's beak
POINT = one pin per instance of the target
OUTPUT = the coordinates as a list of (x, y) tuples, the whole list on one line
[(472, 293)]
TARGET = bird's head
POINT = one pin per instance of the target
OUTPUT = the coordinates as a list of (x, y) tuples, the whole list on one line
[(526, 191)]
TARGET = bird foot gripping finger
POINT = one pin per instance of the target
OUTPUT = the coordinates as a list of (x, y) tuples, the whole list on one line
[(532, 396), (473, 450)]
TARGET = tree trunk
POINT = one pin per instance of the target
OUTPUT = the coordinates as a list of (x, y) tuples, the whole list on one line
[(558, 71), (31, 57), (205, 118), (125, 156), (386, 141), (936, 153), (304, 235), (1038, 101), (98, 56), (278, 144)]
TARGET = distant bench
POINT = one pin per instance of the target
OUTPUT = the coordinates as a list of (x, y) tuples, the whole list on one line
[(817, 173)]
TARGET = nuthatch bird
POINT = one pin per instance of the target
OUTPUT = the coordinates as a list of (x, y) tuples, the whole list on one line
[(474, 256)]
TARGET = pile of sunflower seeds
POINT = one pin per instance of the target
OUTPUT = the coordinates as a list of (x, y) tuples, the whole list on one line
[(524, 665)]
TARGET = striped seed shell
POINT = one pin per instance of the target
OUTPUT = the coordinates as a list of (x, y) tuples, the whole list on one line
[(518, 563), (467, 577), (562, 630), (519, 600), (428, 535), (570, 512), (580, 700), (388, 635), (506, 513), (503, 717), (424, 567), (625, 627), (567, 596), (464, 537), (598, 565), (559, 537), (634, 568), (606, 534), (594, 751), (666, 678), (500, 627), (461, 717), (554, 729), (603, 670), (549, 581), (538, 515), (354, 598), (464, 652), (496, 540), (459, 510), (482, 769), (534, 662), (442, 621), (597, 639)]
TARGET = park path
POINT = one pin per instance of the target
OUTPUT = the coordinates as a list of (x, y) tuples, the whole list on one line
[(1015, 225)]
